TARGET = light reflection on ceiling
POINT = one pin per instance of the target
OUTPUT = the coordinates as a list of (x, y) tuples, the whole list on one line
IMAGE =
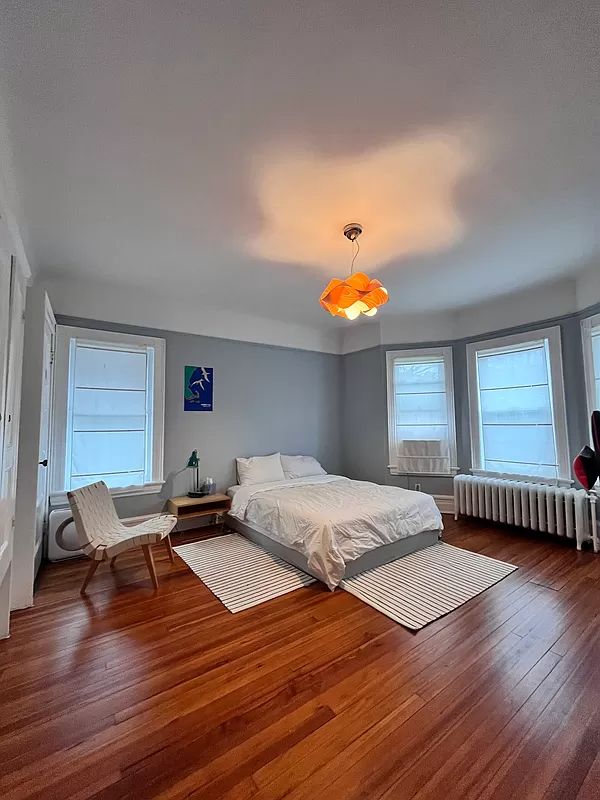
[(404, 195)]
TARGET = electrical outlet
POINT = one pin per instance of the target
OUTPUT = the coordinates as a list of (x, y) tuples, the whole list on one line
[(417, 487)]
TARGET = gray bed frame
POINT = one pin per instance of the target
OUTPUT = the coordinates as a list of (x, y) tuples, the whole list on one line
[(374, 558)]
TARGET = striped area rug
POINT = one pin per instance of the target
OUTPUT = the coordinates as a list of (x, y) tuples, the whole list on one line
[(424, 586), (240, 573)]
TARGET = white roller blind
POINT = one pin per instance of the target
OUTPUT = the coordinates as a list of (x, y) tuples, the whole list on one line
[(596, 363), (422, 413), (109, 420), (516, 416)]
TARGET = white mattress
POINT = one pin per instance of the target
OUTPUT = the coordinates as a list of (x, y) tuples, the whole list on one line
[(332, 520)]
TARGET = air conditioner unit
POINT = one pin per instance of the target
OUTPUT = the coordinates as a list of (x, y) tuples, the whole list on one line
[(56, 553)]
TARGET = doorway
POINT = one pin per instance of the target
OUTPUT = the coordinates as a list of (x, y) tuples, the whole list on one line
[(34, 446)]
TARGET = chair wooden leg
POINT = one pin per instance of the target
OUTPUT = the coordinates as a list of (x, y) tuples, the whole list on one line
[(169, 546), (150, 564), (89, 575), (113, 559)]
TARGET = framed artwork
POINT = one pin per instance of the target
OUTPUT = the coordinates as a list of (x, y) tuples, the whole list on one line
[(198, 389)]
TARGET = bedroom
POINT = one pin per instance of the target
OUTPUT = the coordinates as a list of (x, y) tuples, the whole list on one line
[(175, 184)]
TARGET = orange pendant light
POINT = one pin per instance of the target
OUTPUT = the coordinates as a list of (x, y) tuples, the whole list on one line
[(356, 295)]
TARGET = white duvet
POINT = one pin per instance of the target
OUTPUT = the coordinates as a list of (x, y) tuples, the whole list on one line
[(332, 520)]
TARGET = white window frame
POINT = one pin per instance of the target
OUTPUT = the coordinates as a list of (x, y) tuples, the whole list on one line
[(588, 326), (446, 354), (64, 353), (557, 398)]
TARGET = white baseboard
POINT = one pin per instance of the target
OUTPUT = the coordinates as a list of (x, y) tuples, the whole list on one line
[(445, 503)]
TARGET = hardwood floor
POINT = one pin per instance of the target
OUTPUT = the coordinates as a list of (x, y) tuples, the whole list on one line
[(138, 694)]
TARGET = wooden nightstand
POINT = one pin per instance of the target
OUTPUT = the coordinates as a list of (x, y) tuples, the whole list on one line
[(189, 507)]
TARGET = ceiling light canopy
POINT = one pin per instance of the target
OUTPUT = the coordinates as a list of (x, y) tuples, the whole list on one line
[(356, 295)]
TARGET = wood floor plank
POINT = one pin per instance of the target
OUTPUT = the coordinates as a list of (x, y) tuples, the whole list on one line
[(366, 775), (476, 732), (131, 693), (471, 775)]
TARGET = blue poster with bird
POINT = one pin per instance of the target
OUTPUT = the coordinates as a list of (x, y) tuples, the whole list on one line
[(198, 391)]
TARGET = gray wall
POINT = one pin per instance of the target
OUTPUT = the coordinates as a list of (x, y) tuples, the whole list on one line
[(364, 413), (266, 399), (271, 399)]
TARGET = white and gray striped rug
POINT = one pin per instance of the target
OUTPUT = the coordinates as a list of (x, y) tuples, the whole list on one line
[(240, 573), (424, 586)]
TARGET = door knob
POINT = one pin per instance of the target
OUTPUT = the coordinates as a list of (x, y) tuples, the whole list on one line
[(44, 463)]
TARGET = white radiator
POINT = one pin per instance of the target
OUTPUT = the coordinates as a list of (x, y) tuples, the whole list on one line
[(550, 509)]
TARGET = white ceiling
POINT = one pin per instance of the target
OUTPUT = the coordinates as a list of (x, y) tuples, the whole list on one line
[(215, 149)]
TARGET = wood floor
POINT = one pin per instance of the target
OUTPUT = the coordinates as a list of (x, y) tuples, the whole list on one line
[(140, 694)]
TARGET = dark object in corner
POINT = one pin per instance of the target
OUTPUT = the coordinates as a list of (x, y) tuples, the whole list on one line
[(596, 437), (585, 467)]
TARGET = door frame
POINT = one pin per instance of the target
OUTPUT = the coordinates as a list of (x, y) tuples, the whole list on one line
[(49, 331), (38, 312), (6, 537)]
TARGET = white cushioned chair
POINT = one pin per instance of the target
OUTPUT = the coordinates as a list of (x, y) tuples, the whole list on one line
[(103, 536)]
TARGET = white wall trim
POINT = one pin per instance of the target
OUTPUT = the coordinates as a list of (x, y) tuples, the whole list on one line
[(445, 503), (587, 288), (533, 305), (530, 306), (124, 305), (10, 235), (94, 300), (393, 470), (589, 325), (5, 597), (564, 483), (60, 500), (37, 312)]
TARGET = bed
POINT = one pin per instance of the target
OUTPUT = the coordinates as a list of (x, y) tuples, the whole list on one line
[(332, 527)]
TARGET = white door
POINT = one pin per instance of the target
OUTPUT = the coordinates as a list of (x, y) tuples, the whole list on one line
[(6, 501), (41, 506)]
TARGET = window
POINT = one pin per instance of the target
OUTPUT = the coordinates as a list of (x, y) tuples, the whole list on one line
[(517, 405), (108, 411), (590, 329), (421, 426)]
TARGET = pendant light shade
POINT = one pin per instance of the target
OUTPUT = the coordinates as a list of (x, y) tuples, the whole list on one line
[(356, 295)]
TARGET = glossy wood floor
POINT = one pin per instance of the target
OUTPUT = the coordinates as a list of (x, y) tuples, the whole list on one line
[(137, 694)]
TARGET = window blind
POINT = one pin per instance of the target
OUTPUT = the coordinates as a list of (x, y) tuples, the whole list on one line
[(422, 432), (516, 417), (109, 420)]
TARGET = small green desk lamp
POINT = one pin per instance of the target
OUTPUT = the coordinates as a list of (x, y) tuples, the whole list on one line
[(193, 465)]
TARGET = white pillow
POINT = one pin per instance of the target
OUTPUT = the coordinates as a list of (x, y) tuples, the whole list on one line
[(259, 469), (301, 467)]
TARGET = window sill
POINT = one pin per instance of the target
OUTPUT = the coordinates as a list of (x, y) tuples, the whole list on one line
[(398, 473), (563, 483), (58, 499)]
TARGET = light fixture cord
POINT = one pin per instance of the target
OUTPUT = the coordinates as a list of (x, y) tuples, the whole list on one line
[(354, 256)]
